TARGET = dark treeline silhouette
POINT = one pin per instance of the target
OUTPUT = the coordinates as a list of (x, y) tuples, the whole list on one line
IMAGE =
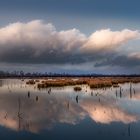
[(22, 74)]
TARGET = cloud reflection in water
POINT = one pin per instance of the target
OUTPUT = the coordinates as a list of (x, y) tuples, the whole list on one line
[(58, 107)]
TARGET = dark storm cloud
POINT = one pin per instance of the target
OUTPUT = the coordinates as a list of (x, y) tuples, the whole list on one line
[(119, 60), (36, 42), (131, 60)]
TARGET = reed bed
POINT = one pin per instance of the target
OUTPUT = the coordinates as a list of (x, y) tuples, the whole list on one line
[(60, 83), (98, 82)]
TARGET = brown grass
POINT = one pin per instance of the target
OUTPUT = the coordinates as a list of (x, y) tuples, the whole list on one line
[(99, 82), (77, 88), (30, 82), (60, 83)]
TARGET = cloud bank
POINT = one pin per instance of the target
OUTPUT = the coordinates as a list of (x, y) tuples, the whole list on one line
[(37, 42)]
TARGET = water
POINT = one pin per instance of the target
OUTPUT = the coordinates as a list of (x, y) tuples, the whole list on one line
[(29, 113)]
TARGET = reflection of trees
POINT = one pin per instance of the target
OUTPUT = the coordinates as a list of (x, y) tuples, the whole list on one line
[(19, 113), (1, 83)]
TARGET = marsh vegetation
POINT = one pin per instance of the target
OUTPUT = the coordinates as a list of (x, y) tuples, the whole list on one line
[(100, 82)]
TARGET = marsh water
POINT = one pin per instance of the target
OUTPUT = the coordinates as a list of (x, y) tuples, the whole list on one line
[(27, 112)]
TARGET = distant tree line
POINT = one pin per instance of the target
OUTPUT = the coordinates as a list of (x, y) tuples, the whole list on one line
[(22, 74)]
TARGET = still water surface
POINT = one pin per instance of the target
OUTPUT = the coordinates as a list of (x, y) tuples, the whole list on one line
[(61, 113)]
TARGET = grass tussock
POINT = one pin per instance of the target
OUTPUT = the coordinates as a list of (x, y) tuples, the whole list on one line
[(30, 82), (77, 88), (115, 85)]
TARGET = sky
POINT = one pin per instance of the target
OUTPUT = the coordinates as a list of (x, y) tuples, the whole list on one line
[(72, 36)]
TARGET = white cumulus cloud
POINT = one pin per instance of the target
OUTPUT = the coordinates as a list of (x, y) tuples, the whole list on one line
[(108, 40), (39, 42)]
